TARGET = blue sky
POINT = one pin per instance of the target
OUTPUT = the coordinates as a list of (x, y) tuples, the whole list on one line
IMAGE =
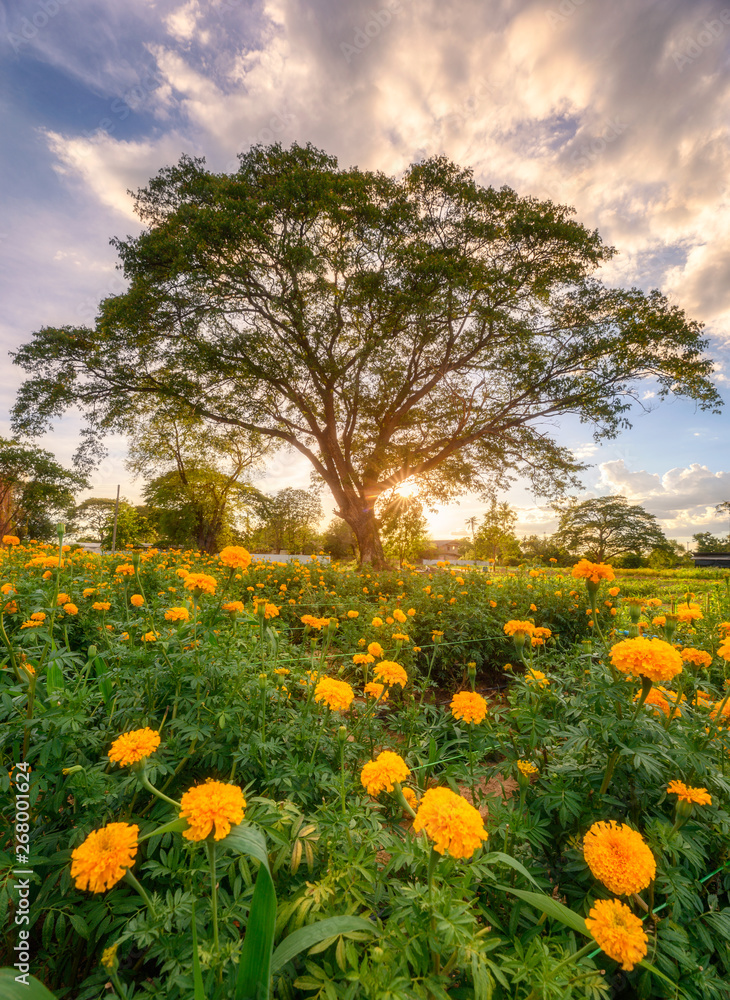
[(621, 110)]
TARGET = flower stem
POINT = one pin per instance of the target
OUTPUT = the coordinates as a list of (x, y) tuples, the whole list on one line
[(210, 847)]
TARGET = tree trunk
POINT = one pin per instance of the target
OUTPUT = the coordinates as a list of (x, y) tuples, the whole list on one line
[(365, 529)]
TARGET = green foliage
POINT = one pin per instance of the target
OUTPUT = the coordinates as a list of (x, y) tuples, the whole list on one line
[(287, 520), (605, 527), (35, 490)]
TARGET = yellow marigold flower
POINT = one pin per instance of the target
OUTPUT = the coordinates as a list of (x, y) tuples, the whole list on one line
[(400, 616), (450, 822), (104, 857), (659, 621), (511, 627), (270, 610), (31, 624), (378, 775), (235, 607), (615, 591), (652, 658), (697, 657), (211, 807), (182, 572), (200, 583), (468, 706), (527, 768), (109, 957), (390, 673), (353, 614), (362, 658), (11, 540), (689, 613), (177, 615), (411, 611), (282, 671), (723, 650), (661, 699), (618, 932), (7, 588), (375, 649), (70, 609), (374, 690), (619, 857), (134, 746), (536, 678), (101, 606), (592, 572), (38, 616), (376, 622), (235, 557), (125, 569), (336, 695), (724, 627), (62, 599), (150, 637), (136, 600), (410, 796), (695, 796)]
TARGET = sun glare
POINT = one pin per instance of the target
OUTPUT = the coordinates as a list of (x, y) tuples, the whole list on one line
[(408, 488)]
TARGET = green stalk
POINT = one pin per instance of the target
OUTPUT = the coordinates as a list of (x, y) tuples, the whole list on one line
[(210, 847)]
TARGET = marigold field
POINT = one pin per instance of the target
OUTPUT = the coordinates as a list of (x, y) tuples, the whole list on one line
[(251, 780)]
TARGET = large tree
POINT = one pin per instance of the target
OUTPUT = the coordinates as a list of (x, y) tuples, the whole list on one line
[(288, 520), (404, 528), (604, 527), (35, 490), (382, 327), (495, 536)]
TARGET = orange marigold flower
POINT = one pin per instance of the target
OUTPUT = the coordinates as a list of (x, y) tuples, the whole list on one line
[(70, 609), (235, 557), (200, 583), (101, 605), (379, 775), (450, 822), (376, 622), (211, 807), (512, 627), (353, 614), (614, 591), (375, 649), (336, 695), (652, 658), (134, 746), (136, 600), (62, 599), (468, 706), (723, 650), (695, 796), (689, 612), (270, 610), (697, 657), (374, 690), (390, 673), (619, 857), (177, 615), (663, 700), (150, 637), (618, 931), (592, 572), (410, 796), (362, 658), (536, 678), (235, 607), (11, 540), (104, 857), (400, 616), (125, 569)]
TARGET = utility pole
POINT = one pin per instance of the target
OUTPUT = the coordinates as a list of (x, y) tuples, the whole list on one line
[(114, 532)]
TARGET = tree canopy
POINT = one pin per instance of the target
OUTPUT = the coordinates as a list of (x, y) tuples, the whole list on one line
[(604, 527), (382, 327), (35, 490), (287, 520)]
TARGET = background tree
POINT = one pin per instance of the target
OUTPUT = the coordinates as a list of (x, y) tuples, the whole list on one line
[(288, 520), (91, 517), (382, 327), (707, 542), (471, 523), (135, 523), (35, 490), (197, 474), (495, 536), (674, 554), (403, 528), (338, 540), (605, 527), (543, 548)]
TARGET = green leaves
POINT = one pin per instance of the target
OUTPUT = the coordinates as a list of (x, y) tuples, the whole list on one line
[(307, 937), (11, 989)]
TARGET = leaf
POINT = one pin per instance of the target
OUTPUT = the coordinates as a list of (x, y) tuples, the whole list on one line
[(248, 840), (512, 862), (198, 988), (12, 990), (253, 981), (308, 937), (656, 972), (551, 908), (54, 679)]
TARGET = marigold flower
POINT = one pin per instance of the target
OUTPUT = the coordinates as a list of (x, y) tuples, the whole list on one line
[(38, 616), (62, 599), (270, 610), (689, 612), (150, 637), (362, 658), (211, 807), (109, 958), (11, 540), (536, 678), (410, 796), (11, 607), (663, 700), (618, 931), (450, 822), (200, 583), (468, 706), (379, 775), (104, 857), (374, 690), (101, 606), (353, 614), (390, 673), (592, 572), (31, 624), (652, 658), (235, 607), (70, 609), (177, 615), (659, 621), (235, 557), (134, 746), (512, 627), (7, 588), (336, 695), (619, 857), (136, 600), (614, 591), (694, 796), (723, 650), (125, 569), (527, 768), (376, 622), (697, 657), (400, 616), (375, 649)]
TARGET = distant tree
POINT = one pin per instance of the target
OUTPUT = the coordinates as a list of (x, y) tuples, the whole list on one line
[(403, 529), (674, 554), (384, 327), (197, 475), (288, 520), (135, 524), (338, 541), (495, 537), (35, 490), (605, 527), (471, 523), (706, 542), (92, 516), (543, 548)]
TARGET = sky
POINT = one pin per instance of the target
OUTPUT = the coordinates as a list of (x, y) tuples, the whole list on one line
[(621, 110)]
